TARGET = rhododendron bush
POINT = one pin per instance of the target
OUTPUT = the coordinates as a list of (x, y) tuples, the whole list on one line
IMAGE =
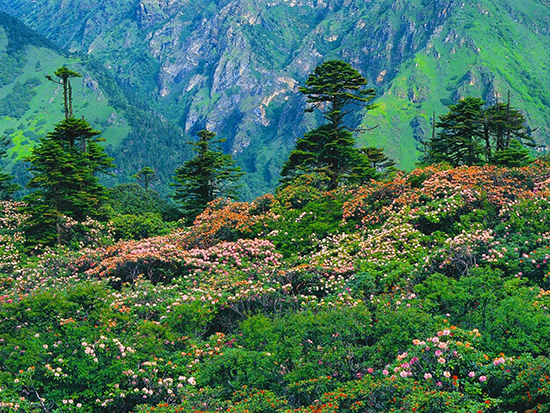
[(429, 292)]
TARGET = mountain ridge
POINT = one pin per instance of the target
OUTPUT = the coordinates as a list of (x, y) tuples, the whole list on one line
[(234, 66)]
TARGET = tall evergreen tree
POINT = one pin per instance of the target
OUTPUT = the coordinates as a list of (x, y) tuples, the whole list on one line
[(208, 175), (146, 175), (64, 76), (333, 87), (459, 141), (65, 184), (503, 125)]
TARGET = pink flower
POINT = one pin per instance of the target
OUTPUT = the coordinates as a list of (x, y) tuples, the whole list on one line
[(471, 374), (438, 353), (447, 374), (441, 360), (370, 370), (499, 361), (427, 376), (385, 372), (482, 378)]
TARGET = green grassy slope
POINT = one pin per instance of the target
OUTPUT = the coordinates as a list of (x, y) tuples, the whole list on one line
[(30, 105), (484, 50)]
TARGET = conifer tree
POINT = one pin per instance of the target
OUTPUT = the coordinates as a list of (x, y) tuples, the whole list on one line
[(515, 155), (64, 76), (333, 87), (473, 135), (459, 141), (208, 175), (146, 175), (503, 125), (65, 184)]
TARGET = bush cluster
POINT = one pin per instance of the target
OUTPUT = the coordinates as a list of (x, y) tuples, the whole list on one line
[(426, 293)]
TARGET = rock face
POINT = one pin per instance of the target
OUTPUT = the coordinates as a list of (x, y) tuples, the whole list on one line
[(234, 66)]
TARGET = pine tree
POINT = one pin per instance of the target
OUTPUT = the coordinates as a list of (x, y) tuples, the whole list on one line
[(515, 155), (64, 76), (473, 135), (65, 165), (333, 87), (146, 175), (459, 142), (208, 175), (503, 125)]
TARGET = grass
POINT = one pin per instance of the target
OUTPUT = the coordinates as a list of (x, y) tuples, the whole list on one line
[(46, 105)]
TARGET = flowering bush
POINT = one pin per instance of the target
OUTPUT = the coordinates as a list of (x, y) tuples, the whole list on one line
[(340, 301)]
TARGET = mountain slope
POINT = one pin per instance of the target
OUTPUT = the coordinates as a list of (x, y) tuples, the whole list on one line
[(234, 66), (30, 105)]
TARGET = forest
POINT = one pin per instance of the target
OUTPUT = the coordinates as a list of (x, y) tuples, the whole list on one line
[(355, 287)]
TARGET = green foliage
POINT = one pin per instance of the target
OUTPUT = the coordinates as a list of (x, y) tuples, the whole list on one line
[(331, 148), (144, 225), (132, 199), (7, 188), (305, 214), (209, 175), (290, 350), (65, 183), (472, 135), (16, 104), (462, 130), (513, 156), (64, 76), (429, 292), (147, 175)]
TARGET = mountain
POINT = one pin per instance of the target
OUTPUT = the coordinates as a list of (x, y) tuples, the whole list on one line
[(234, 66), (30, 105)]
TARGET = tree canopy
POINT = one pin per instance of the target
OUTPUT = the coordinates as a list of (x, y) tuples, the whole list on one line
[(337, 84), (7, 187), (333, 87), (472, 134), (65, 185), (64, 76), (208, 175)]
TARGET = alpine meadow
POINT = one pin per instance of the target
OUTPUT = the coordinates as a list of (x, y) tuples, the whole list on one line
[(283, 206)]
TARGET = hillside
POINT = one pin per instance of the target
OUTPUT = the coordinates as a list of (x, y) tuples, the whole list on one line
[(30, 105), (427, 292), (234, 66)]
